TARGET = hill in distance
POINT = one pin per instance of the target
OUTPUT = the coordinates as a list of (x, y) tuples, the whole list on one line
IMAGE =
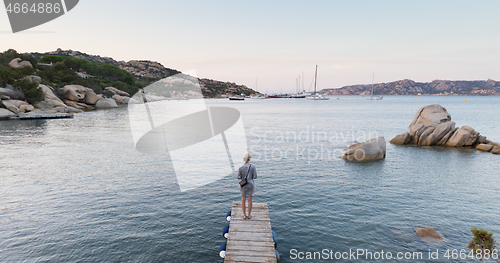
[(409, 87)]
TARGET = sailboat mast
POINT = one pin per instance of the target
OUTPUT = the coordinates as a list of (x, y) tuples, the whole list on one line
[(303, 89), (373, 80), (315, 78)]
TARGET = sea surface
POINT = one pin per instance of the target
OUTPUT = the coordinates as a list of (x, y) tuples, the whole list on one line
[(77, 190)]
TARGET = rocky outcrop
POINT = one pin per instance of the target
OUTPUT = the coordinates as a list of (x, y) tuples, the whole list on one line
[(465, 136), (17, 106), (80, 97), (52, 102), (90, 97), (12, 93), (432, 125), (6, 114), (19, 63), (485, 147), (33, 79), (428, 232), (79, 105), (121, 99), (401, 139), (495, 150), (50, 97), (371, 150), (106, 104), (116, 91), (74, 92), (410, 87), (147, 69)]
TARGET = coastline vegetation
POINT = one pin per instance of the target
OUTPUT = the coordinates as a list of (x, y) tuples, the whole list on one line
[(64, 71)]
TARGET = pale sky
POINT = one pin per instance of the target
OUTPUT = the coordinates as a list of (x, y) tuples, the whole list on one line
[(274, 41)]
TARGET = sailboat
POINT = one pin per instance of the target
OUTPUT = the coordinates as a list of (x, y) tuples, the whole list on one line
[(316, 95), (371, 93), (257, 96)]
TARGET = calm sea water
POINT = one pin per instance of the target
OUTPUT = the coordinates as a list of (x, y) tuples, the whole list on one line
[(76, 190)]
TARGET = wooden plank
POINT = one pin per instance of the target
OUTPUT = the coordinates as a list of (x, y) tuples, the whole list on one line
[(233, 247), (252, 243), (262, 214), (250, 223), (246, 229), (256, 205), (253, 253), (248, 238), (252, 259), (251, 235)]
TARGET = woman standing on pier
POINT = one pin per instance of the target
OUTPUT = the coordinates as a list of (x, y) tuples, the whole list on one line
[(249, 172)]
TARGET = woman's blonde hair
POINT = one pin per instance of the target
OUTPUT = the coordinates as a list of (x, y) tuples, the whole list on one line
[(246, 157)]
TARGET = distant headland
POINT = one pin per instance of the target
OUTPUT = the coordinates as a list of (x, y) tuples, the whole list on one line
[(409, 87)]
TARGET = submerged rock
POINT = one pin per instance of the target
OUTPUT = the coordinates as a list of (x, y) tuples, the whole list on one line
[(428, 232), (371, 150)]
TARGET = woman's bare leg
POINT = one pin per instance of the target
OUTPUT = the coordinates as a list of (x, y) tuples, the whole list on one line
[(243, 200), (249, 206)]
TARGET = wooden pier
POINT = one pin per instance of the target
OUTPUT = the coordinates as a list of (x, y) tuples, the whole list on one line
[(250, 240), (43, 116)]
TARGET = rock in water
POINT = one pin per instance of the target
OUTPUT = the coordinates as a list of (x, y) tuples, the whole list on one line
[(484, 147), (5, 114), (465, 136), (428, 232), (495, 150), (401, 139), (432, 114), (438, 133), (432, 125), (371, 150), (106, 104)]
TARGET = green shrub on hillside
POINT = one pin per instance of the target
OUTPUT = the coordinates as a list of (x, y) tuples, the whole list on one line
[(30, 90)]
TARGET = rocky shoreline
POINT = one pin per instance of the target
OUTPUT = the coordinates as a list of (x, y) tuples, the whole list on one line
[(77, 98)]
